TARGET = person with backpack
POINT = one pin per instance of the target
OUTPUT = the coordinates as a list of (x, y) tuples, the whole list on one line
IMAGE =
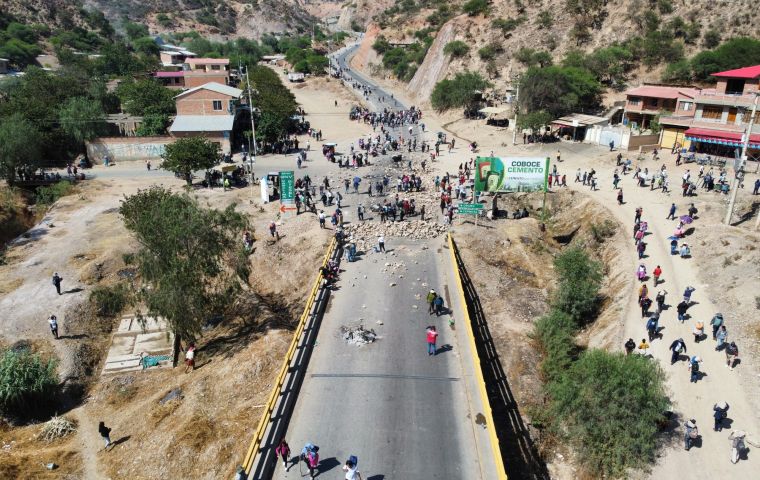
[(629, 346), (310, 455), (431, 296), (351, 468), (694, 368), (720, 411), (660, 300), (681, 310), (677, 347), (646, 302), (732, 353), (438, 303), (283, 451), (691, 433), (652, 327), (716, 322)]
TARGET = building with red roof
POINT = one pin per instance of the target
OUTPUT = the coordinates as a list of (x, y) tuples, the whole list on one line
[(644, 103)]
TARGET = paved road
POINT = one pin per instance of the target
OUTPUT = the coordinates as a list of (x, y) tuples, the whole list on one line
[(405, 414)]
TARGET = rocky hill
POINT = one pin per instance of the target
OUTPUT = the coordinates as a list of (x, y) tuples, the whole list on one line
[(500, 32)]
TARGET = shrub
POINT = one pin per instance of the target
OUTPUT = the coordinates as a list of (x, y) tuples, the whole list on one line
[(580, 279), (602, 231), (110, 301), (459, 91), (554, 332), (488, 52), (456, 49), (27, 381), (610, 405), (381, 45), (356, 26), (164, 20), (49, 195), (508, 24), (476, 7), (711, 38), (665, 6), (545, 19)]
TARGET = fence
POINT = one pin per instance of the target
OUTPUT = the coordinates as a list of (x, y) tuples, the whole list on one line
[(315, 303)]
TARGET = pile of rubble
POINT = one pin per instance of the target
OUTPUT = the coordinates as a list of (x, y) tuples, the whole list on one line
[(358, 335), (369, 231)]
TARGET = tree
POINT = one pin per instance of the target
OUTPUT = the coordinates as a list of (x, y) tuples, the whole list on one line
[(274, 102), (559, 90), (190, 257), (711, 38), (147, 96), (82, 119), (153, 124), (27, 381), (189, 154), (19, 146), (610, 405), (459, 91), (735, 53), (456, 49), (146, 46), (534, 120), (476, 7), (135, 30)]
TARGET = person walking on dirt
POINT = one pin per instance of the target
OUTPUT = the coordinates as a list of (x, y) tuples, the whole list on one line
[(652, 327), (672, 212), (644, 347), (660, 300), (720, 411), (381, 243), (720, 337), (716, 322), (656, 274), (687, 294), (432, 336), (190, 358), (321, 219), (360, 212), (732, 353), (690, 434), (637, 216), (57, 279), (105, 434), (431, 296), (283, 451), (53, 321), (629, 346), (677, 347), (681, 310), (694, 368)]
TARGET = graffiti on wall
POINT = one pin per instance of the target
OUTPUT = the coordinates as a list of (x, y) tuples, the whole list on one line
[(127, 149)]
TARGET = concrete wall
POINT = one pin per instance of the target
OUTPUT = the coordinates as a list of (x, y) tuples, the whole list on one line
[(603, 135), (124, 149), (636, 141), (196, 79)]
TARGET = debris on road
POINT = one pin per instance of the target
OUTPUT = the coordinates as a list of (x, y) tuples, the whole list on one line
[(57, 427), (358, 335)]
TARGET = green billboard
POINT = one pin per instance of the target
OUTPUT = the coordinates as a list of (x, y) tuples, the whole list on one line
[(511, 174)]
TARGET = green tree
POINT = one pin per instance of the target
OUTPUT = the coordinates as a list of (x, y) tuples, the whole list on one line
[(711, 38), (460, 91), (611, 405), (189, 154), (274, 102), (735, 53), (19, 146), (545, 19), (534, 120), (456, 49), (27, 381), (135, 30), (146, 46), (190, 257), (476, 7), (559, 90), (145, 97), (580, 279), (153, 124), (82, 119)]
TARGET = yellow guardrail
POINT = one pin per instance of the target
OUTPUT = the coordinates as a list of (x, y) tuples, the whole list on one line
[(266, 416), (501, 473)]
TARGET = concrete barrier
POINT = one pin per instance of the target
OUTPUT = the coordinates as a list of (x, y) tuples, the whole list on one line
[(123, 149)]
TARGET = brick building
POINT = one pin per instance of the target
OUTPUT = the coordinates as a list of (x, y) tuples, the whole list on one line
[(209, 111)]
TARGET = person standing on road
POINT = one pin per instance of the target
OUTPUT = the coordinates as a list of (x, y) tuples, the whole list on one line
[(677, 347), (360, 212), (57, 279), (431, 296), (672, 212), (105, 434), (716, 322), (283, 451), (694, 368), (720, 338), (351, 469), (381, 243), (321, 219), (691, 433), (53, 326), (681, 310), (656, 273), (310, 455), (732, 353), (720, 411), (432, 337), (629, 346), (438, 303)]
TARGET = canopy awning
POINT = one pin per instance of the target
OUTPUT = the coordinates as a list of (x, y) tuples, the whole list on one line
[(719, 137), (494, 110)]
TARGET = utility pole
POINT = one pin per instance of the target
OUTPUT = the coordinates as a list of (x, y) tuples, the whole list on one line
[(253, 127), (740, 171), (515, 108)]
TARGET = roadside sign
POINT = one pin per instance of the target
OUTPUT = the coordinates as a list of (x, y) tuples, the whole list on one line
[(287, 188), (470, 208)]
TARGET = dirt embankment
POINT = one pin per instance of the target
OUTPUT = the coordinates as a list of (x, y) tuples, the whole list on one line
[(512, 268)]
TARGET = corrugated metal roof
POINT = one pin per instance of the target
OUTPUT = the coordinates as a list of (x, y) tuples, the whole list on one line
[(662, 92), (215, 87), (202, 123), (746, 72)]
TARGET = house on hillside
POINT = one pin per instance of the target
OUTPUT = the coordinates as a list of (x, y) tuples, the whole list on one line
[(644, 103), (720, 117), (174, 56), (174, 80), (199, 71), (208, 111)]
